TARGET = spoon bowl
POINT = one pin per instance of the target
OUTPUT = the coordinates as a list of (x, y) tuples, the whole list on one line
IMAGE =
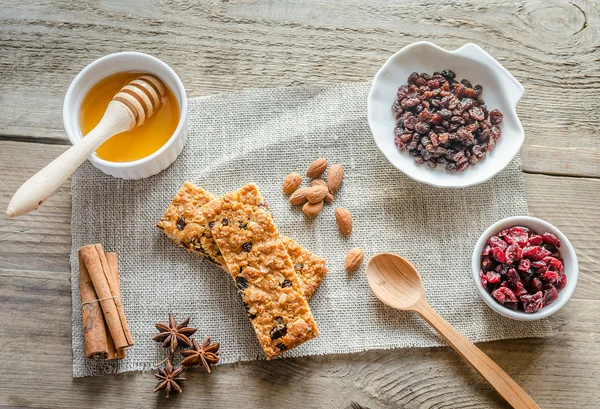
[(397, 283)]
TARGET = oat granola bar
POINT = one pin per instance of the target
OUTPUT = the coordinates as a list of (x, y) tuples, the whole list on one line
[(256, 258), (185, 225)]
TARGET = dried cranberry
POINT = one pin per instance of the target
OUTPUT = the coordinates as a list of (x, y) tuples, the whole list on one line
[(535, 240), (497, 242), (492, 277), (498, 255), (483, 278), (551, 239), (524, 264), (513, 253), (550, 295), (487, 263), (554, 264), (503, 295), (486, 250), (535, 253)]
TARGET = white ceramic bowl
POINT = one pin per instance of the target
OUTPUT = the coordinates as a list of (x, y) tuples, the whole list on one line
[(566, 250), (113, 64), (500, 91)]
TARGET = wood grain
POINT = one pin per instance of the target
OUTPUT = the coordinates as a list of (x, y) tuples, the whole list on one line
[(218, 46), (35, 292)]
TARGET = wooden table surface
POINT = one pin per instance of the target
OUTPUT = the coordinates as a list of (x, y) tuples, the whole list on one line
[(552, 47)]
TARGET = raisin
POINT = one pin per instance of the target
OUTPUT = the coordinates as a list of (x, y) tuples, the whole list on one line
[(241, 283), (247, 247), (281, 346), (448, 74), (280, 330), (496, 117), (181, 223), (225, 222), (211, 225), (478, 89), (286, 283)]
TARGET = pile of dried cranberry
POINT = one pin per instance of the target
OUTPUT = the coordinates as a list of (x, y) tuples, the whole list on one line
[(440, 120), (522, 270)]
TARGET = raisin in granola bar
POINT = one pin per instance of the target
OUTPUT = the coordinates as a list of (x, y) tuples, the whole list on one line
[(185, 225), (256, 258)]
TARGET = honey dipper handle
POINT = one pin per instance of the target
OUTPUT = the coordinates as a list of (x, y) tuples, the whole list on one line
[(500, 380), (117, 118)]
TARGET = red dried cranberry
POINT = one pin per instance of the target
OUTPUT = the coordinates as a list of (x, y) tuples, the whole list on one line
[(550, 295), (551, 239), (535, 240), (483, 278), (513, 253), (497, 242), (498, 255), (550, 276), (524, 264), (486, 250), (492, 277), (487, 263), (562, 283), (503, 295), (536, 284), (554, 264), (535, 253)]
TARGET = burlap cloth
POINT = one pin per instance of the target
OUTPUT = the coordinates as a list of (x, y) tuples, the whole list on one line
[(260, 136)]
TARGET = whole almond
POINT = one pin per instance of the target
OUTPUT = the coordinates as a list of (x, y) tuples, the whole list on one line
[(316, 168), (291, 183), (344, 220), (318, 182), (299, 196), (353, 259), (328, 198), (334, 178), (312, 209), (316, 194)]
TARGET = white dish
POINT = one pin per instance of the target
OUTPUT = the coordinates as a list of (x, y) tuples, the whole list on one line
[(500, 91), (566, 250), (113, 64)]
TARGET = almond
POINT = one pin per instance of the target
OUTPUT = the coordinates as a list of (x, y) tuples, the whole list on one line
[(334, 178), (291, 183), (344, 220), (316, 194), (299, 196), (318, 182), (353, 259), (312, 209), (328, 198), (316, 168)]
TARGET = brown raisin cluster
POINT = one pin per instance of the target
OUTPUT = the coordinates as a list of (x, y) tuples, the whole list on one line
[(440, 120)]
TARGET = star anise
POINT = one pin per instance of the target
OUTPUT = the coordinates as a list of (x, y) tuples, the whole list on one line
[(174, 334), (168, 379), (206, 354)]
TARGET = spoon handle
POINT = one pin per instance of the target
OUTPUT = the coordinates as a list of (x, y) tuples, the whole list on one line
[(43, 184), (500, 380)]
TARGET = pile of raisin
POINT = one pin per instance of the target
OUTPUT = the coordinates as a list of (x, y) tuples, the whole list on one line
[(522, 270), (440, 120)]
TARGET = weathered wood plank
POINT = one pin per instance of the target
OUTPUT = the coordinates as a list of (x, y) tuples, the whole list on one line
[(557, 372), (551, 47)]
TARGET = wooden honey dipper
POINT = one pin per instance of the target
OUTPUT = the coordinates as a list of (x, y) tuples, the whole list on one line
[(132, 105)]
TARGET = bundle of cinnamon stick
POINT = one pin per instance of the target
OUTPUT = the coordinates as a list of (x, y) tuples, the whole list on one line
[(105, 330)]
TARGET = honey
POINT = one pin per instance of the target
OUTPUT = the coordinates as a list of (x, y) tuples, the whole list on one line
[(142, 140)]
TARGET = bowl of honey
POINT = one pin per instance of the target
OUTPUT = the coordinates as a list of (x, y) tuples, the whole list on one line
[(145, 150)]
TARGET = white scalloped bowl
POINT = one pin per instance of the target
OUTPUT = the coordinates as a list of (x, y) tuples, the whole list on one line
[(500, 91)]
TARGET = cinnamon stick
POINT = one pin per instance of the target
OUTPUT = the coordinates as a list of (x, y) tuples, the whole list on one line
[(113, 264), (94, 331), (97, 266)]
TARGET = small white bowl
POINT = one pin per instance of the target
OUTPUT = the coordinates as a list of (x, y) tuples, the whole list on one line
[(566, 250), (500, 91), (113, 64)]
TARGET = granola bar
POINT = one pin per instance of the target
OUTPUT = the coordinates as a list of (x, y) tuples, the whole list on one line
[(185, 225), (256, 258)]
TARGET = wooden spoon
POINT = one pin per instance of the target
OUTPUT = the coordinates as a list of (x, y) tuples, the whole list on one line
[(132, 105), (396, 282)]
